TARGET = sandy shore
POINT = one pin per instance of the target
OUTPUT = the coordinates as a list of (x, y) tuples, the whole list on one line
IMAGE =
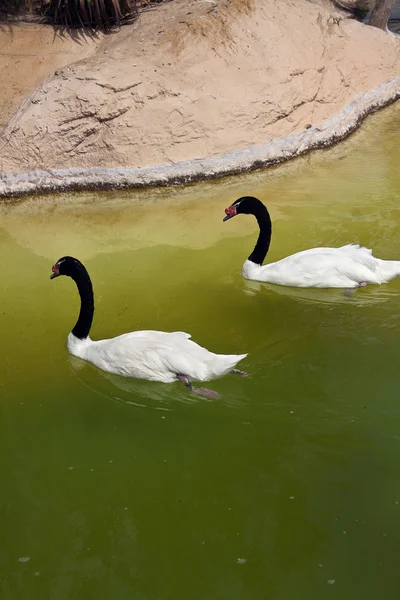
[(197, 90)]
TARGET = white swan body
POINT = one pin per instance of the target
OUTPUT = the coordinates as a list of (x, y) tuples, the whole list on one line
[(345, 267), (349, 266), (151, 355), (154, 355)]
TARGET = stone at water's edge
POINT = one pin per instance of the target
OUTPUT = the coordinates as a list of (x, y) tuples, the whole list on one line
[(394, 21), (395, 14), (184, 172)]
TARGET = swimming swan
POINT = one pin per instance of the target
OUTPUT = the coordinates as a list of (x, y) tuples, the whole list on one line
[(151, 355), (349, 266)]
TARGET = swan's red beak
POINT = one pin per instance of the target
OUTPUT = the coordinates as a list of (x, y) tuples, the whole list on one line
[(230, 212), (55, 273)]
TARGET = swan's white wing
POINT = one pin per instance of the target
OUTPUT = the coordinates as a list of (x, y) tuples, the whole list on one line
[(140, 354), (158, 356), (323, 267), (151, 334), (360, 255), (351, 251)]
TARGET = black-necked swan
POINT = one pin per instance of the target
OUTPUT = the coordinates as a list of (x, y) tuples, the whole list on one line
[(349, 266), (151, 355)]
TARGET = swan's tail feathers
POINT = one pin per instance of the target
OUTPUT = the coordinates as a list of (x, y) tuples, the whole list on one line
[(236, 358), (224, 363), (390, 269)]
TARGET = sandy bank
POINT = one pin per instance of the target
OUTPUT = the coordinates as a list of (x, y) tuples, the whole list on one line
[(29, 53), (200, 89)]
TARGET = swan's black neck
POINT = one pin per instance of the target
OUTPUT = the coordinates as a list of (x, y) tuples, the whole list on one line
[(264, 239), (85, 289)]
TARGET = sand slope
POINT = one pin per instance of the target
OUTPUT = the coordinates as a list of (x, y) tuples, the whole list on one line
[(197, 79)]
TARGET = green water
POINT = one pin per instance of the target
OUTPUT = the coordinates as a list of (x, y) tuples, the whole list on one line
[(286, 488)]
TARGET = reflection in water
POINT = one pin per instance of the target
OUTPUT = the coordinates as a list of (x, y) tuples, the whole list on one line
[(99, 382), (140, 393), (373, 294)]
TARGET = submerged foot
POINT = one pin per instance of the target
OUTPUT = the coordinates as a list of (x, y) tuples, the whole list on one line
[(349, 291), (206, 393), (240, 373)]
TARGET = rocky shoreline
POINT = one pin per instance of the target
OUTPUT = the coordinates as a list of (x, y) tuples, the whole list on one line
[(256, 157), (191, 91)]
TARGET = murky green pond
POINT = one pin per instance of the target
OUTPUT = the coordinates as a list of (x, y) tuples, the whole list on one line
[(286, 488)]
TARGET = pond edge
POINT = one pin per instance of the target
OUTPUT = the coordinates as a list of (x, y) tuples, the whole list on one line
[(232, 163)]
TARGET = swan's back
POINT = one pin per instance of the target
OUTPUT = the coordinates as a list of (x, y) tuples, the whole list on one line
[(155, 355), (346, 266)]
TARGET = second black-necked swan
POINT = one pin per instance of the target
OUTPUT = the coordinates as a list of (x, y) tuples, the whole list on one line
[(349, 266)]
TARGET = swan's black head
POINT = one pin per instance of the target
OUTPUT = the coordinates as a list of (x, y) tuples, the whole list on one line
[(67, 265), (72, 267), (246, 205)]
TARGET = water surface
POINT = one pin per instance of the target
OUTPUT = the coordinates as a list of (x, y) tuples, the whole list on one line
[(289, 486)]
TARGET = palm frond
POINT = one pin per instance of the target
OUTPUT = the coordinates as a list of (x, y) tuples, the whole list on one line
[(97, 14)]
